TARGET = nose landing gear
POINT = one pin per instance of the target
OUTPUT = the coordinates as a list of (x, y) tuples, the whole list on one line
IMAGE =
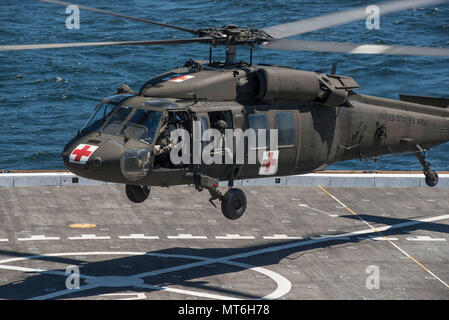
[(137, 194)]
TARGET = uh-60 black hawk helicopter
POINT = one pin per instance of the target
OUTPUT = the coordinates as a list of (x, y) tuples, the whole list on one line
[(318, 117)]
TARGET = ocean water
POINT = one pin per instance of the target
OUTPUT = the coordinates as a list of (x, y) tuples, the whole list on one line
[(46, 95)]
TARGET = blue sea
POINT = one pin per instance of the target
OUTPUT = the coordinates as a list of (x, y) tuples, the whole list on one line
[(46, 95)]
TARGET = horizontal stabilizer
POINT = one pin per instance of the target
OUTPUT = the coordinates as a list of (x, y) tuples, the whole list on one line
[(430, 101)]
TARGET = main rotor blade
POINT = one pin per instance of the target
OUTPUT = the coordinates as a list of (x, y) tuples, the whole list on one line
[(107, 43), (65, 4), (325, 46), (330, 20)]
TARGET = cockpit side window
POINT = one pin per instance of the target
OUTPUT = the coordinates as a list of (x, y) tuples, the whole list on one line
[(143, 125), (116, 121), (101, 112)]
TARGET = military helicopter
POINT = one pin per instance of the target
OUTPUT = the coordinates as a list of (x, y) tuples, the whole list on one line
[(318, 119)]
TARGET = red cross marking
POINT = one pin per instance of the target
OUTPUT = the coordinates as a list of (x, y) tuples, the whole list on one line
[(81, 152), (269, 162)]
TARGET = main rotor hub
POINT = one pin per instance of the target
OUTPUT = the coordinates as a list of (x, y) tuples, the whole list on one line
[(232, 35)]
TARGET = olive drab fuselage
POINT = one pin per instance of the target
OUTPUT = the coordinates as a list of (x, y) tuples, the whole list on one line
[(330, 122)]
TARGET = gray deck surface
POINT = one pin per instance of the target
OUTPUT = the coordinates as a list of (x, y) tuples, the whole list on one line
[(292, 243)]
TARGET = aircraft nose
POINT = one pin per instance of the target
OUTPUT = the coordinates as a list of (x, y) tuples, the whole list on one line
[(98, 162), (80, 156)]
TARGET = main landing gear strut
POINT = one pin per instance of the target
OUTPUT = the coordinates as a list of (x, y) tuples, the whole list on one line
[(431, 176), (233, 202)]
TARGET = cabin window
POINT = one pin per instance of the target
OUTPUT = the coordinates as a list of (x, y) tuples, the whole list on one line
[(260, 121), (218, 116), (204, 124), (285, 123), (204, 127)]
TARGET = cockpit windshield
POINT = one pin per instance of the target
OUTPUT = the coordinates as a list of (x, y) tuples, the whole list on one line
[(116, 121), (143, 125), (139, 124), (98, 117)]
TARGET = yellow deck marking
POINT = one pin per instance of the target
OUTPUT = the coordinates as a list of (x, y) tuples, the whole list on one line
[(380, 234), (82, 225)]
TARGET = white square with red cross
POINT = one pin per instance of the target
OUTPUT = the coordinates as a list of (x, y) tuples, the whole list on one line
[(82, 153), (269, 165)]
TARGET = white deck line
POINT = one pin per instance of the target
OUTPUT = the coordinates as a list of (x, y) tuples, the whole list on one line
[(139, 236), (234, 236), (38, 238), (186, 236), (90, 237), (348, 180), (425, 238), (281, 237)]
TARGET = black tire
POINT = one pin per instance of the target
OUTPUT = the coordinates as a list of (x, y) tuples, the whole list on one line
[(137, 194), (233, 204), (432, 179)]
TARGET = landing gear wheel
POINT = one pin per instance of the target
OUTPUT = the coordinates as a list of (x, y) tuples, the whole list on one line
[(233, 204), (137, 194), (431, 178)]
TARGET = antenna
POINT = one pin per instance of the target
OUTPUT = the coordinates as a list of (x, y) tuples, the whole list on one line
[(210, 55), (251, 56), (334, 68)]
